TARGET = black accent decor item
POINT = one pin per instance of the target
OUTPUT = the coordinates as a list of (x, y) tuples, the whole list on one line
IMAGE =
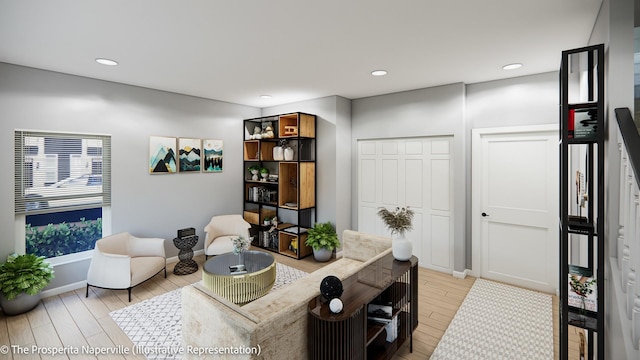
[(331, 287), (186, 265)]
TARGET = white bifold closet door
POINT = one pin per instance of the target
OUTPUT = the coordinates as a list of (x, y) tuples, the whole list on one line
[(414, 172)]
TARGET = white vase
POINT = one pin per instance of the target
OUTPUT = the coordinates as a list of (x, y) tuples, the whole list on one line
[(254, 174), (402, 248), (322, 254), (278, 153), (288, 154)]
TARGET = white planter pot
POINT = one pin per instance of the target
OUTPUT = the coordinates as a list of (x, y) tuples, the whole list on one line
[(288, 154), (254, 174), (402, 248), (278, 153), (322, 255)]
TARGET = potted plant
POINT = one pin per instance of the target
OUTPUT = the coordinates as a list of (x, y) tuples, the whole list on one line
[(22, 278), (323, 239), (264, 172), (254, 170), (399, 222)]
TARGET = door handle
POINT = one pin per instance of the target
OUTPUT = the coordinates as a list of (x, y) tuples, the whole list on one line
[(484, 214)]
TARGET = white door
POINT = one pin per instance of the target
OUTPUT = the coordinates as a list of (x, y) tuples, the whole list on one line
[(414, 172), (515, 206)]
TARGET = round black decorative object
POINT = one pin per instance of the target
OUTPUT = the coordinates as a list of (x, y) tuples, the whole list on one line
[(331, 287)]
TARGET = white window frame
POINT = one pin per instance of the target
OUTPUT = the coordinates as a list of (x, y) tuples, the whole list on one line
[(21, 212)]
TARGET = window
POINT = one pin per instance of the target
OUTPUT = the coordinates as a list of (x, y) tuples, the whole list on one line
[(62, 184)]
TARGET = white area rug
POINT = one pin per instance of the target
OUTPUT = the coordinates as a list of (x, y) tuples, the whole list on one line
[(497, 321), (155, 327)]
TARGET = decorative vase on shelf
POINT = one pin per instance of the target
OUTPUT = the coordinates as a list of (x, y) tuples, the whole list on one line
[(288, 154), (399, 221), (402, 248), (278, 153), (254, 174)]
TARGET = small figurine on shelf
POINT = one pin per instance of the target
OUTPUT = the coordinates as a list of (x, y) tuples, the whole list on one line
[(257, 133), (254, 170), (264, 172), (274, 224), (293, 245), (268, 131)]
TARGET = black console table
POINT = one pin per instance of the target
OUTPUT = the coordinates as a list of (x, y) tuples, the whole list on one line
[(186, 265), (353, 333)]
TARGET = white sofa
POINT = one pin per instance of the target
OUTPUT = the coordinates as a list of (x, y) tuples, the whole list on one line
[(122, 261), (276, 322)]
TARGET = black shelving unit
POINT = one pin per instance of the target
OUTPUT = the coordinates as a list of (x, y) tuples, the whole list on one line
[(582, 197), (289, 193)]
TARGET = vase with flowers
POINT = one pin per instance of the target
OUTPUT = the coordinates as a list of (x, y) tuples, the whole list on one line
[(240, 244), (398, 222)]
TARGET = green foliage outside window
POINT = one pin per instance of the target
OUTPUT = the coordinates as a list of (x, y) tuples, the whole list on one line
[(61, 239)]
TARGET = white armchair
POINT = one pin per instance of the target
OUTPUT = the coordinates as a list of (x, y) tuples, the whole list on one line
[(221, 230), (122, 261)]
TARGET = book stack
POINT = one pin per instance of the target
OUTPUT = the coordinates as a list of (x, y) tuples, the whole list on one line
[(237, 270), (383, 314)]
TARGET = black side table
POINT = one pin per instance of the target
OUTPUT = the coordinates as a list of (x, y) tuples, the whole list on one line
[(186, 265)]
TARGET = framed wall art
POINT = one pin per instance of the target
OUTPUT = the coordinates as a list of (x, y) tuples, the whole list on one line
[(189, 151), (162, 155), (212, 155)]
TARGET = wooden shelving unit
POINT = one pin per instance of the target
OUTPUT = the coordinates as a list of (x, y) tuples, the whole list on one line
[(582, 197), (290, 191), (352, 334)]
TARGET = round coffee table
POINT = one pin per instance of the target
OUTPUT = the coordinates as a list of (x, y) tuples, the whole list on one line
[(260, 276)]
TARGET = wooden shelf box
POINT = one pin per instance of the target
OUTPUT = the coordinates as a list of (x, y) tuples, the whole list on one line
[(297, 124), (251, 149), (257, 218), (292, 183), (266, 150), (285, 241)]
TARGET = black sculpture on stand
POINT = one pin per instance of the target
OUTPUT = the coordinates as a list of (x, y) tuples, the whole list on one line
[(186, 265)]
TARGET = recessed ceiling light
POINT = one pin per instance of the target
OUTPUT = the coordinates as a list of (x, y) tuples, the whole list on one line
[(379, 72), (512, 66), (106, 62), (265, 96)]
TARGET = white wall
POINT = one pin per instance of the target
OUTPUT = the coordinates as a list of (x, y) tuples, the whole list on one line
[(333, 157), (526, 100), (455, 110), (143, 204), (424, 112)]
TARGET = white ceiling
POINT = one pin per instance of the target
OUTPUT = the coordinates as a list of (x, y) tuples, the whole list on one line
[(294, 50)]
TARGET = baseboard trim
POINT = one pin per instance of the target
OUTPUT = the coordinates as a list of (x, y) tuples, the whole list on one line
[(461, 274), (64, 288)]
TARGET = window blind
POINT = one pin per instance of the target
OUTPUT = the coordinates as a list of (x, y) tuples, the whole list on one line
[(61, 171)]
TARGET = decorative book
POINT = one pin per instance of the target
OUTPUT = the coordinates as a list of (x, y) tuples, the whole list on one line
[(582, 288), (584, 123)]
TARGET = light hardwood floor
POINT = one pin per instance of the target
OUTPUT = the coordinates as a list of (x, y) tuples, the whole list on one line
[(71, 320)]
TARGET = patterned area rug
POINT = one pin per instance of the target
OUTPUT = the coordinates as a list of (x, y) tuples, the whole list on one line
[(155, 327), (497, 321)]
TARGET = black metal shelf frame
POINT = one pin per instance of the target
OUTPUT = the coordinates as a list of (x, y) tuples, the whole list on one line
[(588, 225)]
